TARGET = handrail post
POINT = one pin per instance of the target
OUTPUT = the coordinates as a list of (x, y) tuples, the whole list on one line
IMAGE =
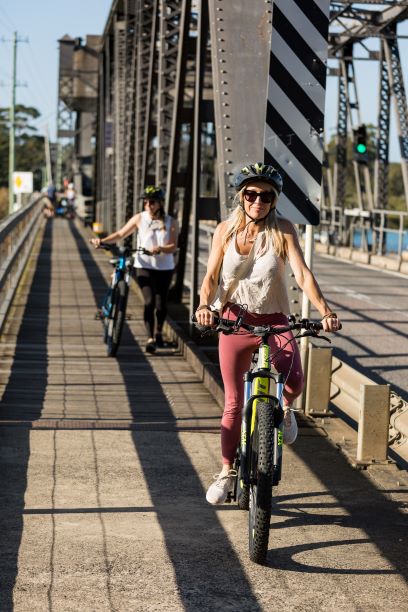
[(373, 423), (318, 380)]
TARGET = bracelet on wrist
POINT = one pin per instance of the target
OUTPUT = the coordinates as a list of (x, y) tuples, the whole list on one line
[(330, 315), (203, 307)]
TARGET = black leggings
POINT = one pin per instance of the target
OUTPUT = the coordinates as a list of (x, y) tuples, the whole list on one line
[(154, 285)]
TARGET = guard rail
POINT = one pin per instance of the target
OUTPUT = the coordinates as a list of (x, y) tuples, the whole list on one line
[(381, 416), (17, 234)]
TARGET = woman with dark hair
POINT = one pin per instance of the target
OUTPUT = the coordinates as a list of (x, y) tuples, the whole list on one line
[(157, 233), (249, 251)]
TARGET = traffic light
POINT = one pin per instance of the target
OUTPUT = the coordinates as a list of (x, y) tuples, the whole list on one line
[(360, 144)]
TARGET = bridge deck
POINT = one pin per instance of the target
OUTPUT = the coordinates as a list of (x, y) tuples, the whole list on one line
[(104, 465)]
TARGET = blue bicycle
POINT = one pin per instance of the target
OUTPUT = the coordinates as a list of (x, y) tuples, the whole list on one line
[(113, 309)]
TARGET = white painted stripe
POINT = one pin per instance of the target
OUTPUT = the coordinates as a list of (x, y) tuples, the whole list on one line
[(305, 27), (324, 6), (298, 70), (291, 165), (299, 124), (288, 210)]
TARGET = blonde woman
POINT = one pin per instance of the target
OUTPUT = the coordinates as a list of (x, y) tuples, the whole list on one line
[(252, 247)]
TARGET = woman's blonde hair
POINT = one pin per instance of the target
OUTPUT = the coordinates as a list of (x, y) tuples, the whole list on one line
[(236, 221)]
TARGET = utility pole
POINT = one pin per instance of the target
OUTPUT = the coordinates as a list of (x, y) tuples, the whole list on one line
[(12, 124), (48, 156)]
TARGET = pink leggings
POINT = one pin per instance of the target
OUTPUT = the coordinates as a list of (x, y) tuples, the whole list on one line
[(235, 352)]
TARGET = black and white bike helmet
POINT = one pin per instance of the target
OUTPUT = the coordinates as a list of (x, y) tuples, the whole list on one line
[(261, 172)]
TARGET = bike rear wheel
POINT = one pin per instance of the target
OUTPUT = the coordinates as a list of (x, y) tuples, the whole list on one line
[(260, 489), (117, 317)]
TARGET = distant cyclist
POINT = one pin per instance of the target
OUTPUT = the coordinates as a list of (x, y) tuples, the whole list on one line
[(251, 248), (157, 233)]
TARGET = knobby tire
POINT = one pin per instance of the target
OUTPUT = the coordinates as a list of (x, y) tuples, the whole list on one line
[(242, 491), (118, 313), (260, 491)]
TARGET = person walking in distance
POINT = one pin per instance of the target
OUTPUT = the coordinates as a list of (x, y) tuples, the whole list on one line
[(158, 234), (251, 248)]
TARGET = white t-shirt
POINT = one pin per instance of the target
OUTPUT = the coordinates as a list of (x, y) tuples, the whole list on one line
[(153, 233)]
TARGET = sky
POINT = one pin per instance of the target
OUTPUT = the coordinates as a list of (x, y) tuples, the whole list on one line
[(40, 23)]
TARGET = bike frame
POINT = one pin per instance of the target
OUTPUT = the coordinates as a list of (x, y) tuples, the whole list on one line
[(261, 384), (121, 271)]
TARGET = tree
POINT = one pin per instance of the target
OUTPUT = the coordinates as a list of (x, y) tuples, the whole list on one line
[(29, 146)]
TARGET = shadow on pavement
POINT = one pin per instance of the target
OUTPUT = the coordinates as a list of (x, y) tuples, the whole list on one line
[(15, 442), (197, 545), (363, 507)]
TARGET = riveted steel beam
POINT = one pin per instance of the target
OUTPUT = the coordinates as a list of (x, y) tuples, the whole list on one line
[(240, 64), (397, 86), (147, 57), (169, 37), (383, 135)]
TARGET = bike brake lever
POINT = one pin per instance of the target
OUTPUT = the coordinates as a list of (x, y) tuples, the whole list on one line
[(227, 329)]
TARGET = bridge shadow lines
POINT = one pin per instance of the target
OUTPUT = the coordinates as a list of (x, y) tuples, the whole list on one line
[(197, 545), (363, 505), (15, 441)]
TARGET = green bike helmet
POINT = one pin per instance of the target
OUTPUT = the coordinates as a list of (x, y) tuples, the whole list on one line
[(153, 193), (258, 171)]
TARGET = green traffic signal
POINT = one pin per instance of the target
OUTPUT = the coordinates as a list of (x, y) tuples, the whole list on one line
[(361, 148)]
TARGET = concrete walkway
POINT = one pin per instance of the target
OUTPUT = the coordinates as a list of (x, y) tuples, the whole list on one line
[(104, 465)]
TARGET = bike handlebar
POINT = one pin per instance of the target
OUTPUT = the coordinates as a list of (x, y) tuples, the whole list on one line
[(124, 251), (230, 327)]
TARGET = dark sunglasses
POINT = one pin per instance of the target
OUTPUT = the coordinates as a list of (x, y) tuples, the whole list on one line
[(147, 201), (266, 197)]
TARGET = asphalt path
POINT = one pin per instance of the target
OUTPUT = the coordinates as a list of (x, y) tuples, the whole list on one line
[(373, 306)]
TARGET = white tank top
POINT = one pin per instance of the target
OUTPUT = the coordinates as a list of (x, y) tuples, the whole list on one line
[(257, 280), (151, 233)]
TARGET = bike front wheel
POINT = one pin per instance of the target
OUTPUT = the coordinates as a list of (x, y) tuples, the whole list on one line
[(117, 317), (260, 489)]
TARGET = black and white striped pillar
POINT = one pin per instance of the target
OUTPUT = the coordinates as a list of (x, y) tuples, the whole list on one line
[(295, 106)]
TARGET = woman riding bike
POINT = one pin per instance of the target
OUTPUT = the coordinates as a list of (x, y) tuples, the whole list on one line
[(251, 247), (157, 233)]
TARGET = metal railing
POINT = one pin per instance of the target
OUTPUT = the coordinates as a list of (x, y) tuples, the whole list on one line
[(380, 415), (17, 234), (376, 228)]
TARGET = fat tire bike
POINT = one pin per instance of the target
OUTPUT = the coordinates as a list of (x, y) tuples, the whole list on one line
[(113, 309), (258, 462)]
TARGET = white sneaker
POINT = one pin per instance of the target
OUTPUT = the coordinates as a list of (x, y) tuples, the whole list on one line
[(290, 428), (218, 491)]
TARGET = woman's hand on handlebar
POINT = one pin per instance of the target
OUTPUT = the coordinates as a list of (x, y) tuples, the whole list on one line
[(205, 316), (331, 323), (96, 242)]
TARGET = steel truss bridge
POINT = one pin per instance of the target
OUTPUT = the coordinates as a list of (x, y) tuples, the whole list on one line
[(175, 106)]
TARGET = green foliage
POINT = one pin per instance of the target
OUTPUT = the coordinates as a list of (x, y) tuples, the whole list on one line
[(29, 146)]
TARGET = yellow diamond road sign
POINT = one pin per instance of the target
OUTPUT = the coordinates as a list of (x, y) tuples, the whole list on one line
[(22, 182)]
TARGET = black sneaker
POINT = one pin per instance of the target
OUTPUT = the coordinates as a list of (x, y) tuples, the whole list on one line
[(150, 346), (159, 341)]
